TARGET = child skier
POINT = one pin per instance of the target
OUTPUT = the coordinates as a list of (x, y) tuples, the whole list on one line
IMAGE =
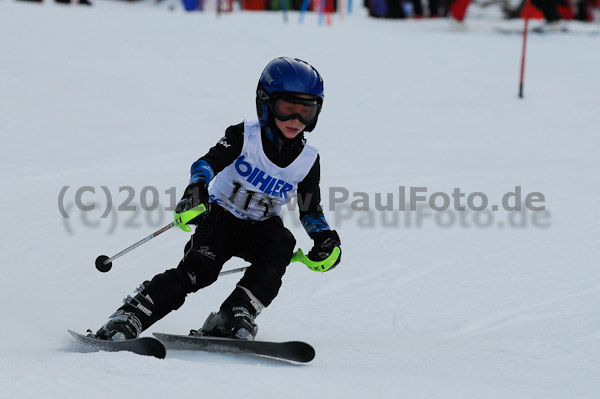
[(255, 169)]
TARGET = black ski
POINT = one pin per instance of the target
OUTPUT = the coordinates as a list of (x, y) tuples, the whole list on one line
[(567, 31), (294, 350), (146, 346)]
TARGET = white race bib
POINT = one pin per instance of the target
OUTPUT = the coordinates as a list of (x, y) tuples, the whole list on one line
[(253, 187)]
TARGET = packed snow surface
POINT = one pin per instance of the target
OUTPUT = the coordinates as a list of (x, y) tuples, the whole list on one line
[(122, 98)]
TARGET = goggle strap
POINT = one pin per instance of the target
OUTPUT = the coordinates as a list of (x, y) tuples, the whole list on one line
[(296, 100)]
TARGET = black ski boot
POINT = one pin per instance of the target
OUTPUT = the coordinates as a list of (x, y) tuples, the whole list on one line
[(131, 319), (121, 326), (236, 317), (236, 322)]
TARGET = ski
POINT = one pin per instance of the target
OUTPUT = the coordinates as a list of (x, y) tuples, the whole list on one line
[(146, 346), (568, 31), (294, 350)]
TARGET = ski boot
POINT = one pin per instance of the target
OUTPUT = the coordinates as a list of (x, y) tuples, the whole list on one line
[(121, 326), (236, 322), (131, 319), (552, 27), (236, 317)]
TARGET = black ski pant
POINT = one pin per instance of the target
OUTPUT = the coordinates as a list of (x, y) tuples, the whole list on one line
[(267, 245), (548, 8)]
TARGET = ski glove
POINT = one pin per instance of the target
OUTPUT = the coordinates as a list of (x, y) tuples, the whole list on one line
[(194, 195), (325, 242)]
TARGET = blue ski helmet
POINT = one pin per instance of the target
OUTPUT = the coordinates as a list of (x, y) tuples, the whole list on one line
[(287, 75)]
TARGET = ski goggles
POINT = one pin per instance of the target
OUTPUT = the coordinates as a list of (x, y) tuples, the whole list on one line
[(289, 107)]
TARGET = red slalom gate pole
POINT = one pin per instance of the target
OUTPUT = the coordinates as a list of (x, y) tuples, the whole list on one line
[(527, 10)]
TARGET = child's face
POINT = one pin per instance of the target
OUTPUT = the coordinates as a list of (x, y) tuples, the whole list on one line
[(290, 128)]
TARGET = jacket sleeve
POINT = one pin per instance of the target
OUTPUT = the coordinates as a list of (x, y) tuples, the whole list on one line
[(227, 150), (309, 202)]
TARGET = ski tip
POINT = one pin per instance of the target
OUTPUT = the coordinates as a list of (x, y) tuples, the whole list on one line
[(75, 334), (306, 352), (158, 348)]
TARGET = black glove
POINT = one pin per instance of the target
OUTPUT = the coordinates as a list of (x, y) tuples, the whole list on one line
[(325, 242), (194, 195)]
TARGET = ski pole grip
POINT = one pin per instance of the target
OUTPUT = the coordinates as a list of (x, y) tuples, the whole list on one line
[(182, 219), (317, 266)]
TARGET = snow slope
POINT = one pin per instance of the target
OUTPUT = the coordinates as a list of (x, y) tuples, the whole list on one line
[(425, 304)]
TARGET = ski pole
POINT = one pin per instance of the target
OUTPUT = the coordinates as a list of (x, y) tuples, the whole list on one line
[(527, 11), (303, 10), (284, 11), (104, 263), (241, 269), (317, 266)]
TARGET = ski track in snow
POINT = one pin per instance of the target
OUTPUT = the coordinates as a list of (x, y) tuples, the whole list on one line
[(131, 94)]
